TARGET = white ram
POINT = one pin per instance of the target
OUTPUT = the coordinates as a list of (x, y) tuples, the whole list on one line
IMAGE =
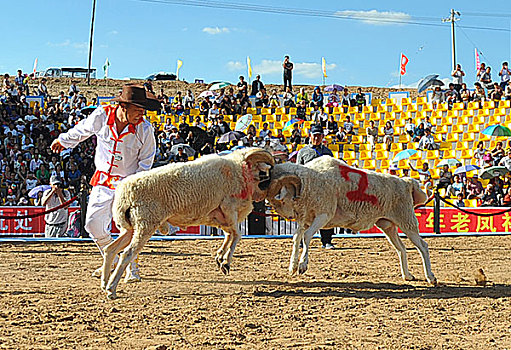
[(212, 190), (326, 193)]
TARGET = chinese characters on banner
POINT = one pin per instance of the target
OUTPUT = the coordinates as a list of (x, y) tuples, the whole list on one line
[(35, 226)]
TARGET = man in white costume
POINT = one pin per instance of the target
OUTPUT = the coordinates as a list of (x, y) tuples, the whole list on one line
[(125, 145)]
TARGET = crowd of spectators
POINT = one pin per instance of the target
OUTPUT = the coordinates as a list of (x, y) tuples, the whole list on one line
[(26, 161)]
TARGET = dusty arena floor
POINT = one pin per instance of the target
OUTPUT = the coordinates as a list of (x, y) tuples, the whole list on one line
[(351, 298)]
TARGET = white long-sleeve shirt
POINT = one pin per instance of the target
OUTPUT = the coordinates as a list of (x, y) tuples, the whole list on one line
[(117, 156)]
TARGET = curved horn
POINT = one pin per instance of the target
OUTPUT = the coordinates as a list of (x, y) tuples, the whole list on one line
[(259, 155), (283, 180)]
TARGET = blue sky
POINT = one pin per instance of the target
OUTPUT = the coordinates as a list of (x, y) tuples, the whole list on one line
[(141, 38)]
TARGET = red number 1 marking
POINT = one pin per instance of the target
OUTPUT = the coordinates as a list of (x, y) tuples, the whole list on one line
[(359, 195)]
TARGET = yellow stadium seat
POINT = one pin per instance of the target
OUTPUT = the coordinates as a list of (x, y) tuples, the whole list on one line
[(458, 106), (385, 164), (461, 146), (333, 147), (382, 155), (483, 137), (462, 120), (364, 147), (445, 146), (471, 203), (442, 107), (468, 137), (356, 139), (494, 119), (467, 154), (456, 129), (432, 154), (473, 128), (473, 105), (396, 147), (442, 129), (452, 138), (421, 99), (365, 155), (447, 121), (349, 155), (489, 104), (369, 164), (404, 138), (449, 154)]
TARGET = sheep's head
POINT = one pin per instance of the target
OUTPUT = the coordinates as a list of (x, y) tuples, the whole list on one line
[(260, 162), (284, 189)]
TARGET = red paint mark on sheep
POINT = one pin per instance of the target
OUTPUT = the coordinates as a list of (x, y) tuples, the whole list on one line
[(248, 182), (359, 195)]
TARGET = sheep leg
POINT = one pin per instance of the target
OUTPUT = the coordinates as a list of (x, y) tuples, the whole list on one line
[(319, 222), (422, 247), (223, 248), (111, 251), (297, 238), (227, 258), (135, 246), (390, 230)]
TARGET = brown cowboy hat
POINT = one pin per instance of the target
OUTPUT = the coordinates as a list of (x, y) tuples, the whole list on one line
[(138, 96)]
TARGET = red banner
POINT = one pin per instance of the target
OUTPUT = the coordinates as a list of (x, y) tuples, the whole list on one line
[(404, 62), (451, 221), (35, 226)]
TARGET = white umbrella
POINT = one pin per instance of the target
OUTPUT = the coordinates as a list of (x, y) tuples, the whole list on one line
[(208, 93)]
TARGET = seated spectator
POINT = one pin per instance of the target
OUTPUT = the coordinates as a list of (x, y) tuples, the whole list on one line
[(245, 102), (451, 96), (289, 98), (301, 110), (418, 133), (302, 96), (410, 127), (42, 174), (226, 106), (360, 99), (388, 135), (177, 103), (478, 95), (459, 202), (507, 92), (497, 153), (262, 99), (252, 130), (481, 155), (427, 142), (345, 99), (489, 197), (181, 156), (242, 86), (474, 187), (281, 137), (296, 136), (265, 132), (331, 126), (457, 187), (485, 79), (497, 93), (214, 112), (372, 134), (317, 98), (349, 128), (42, 89), (189, 100), (465, 95), (445, 177), (333, 99), (274, 99), (437, 96), (506, 160), (427, 184)]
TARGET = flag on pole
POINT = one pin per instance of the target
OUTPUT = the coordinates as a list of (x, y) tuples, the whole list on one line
[(404, 62), (323, 65), (35, 68), (478, 61), (249, 67), (105, 68), (179, 64)]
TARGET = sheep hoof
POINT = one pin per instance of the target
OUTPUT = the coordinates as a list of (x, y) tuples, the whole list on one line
[(410, 278), (302, 268), (433, 282), (218, 260), (111, 295), (293, 269), (226, 268)]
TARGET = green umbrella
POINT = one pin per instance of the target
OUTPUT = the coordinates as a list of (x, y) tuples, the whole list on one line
[(493, 171), (449, 162), (219, 85), (497, 130)]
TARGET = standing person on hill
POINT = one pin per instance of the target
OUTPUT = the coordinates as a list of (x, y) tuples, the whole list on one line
[(306, 154), (288, 73), (457, 79), (125, 146), (504, 75)]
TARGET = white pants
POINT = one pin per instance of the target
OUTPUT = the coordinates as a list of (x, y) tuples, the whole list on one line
[(99, 215)]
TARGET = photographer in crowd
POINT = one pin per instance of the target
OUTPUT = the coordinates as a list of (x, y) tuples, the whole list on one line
[(56, 222)]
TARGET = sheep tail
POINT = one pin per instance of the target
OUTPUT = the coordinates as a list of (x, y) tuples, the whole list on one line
[(418, 195), (121, 211)]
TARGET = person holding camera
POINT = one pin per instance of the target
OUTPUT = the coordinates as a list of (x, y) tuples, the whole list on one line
[(56, 222)]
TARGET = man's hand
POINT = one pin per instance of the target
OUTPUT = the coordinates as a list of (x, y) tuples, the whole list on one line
[(56, 147)]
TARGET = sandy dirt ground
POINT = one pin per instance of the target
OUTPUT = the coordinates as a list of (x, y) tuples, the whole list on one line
[(350, 298)]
